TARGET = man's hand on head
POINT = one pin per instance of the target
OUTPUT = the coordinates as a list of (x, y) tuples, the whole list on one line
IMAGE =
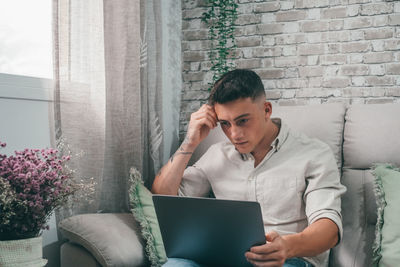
[(272, 253), (201, 122)]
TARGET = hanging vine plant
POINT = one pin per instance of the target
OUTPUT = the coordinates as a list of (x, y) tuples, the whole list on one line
[(220, 18)]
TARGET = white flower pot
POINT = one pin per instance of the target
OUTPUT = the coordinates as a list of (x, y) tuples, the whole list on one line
[(23, 252)]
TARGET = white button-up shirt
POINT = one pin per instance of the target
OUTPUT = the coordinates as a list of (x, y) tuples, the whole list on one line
[(296, 183)]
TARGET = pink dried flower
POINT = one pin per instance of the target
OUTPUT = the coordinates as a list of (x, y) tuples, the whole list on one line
[(33, 183)]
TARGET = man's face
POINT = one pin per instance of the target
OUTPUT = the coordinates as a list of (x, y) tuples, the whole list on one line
[(244, 122)]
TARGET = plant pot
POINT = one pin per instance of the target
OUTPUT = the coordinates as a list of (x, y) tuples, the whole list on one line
[(23, 252)]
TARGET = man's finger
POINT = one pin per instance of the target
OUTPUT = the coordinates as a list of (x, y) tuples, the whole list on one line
[(271, 236)]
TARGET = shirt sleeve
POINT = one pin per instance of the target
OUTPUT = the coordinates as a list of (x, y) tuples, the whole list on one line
[(194, 183), (324, 190)]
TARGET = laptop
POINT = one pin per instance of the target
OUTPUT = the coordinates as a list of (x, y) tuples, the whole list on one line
[(213, 232)]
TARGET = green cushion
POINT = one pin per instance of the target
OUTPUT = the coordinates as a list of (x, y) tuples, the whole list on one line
[(144, 213), (386, 249)]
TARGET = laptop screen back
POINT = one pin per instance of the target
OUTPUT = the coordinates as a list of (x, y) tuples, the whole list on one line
[(214, 232)]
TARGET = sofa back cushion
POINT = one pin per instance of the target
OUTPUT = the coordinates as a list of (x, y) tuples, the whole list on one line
[(371, 135)]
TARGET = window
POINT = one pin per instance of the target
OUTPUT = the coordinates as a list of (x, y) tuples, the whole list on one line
[(26, 38)]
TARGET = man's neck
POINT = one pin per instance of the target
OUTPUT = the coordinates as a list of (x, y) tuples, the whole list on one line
[(266, 144)]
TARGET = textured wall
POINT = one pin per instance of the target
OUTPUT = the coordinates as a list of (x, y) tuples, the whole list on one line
[(306, 51)]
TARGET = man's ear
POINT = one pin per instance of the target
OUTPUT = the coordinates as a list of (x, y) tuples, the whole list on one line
[(268, 109)]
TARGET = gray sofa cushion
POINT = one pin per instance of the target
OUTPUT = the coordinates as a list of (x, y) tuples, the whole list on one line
[(324, 122), (111, 238), (81, 256), (371, 135)]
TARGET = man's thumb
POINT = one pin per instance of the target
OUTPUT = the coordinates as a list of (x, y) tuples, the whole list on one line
[(271, 236)]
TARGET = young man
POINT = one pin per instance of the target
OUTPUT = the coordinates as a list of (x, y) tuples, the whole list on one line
[(295, 178)]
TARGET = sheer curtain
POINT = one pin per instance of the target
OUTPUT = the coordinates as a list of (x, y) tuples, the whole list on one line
[(107, 96)]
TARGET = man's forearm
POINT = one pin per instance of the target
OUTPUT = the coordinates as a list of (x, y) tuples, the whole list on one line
[(315, 239), (168, 179)]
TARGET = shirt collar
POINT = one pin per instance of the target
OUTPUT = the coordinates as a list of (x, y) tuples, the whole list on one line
[(278, 141)]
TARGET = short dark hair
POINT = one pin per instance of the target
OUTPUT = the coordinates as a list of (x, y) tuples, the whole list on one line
[(235, 84)]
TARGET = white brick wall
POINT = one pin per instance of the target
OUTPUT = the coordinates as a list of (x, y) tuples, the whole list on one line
[(306, 51)]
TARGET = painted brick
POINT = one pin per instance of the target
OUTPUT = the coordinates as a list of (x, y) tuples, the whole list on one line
[(311, 49), (382, 80), (246, 30), (308, 71), (379, 21), (354, 47), (271, 73), (333, 59), (357, 23), (356, 35), (292, 15), (381, 57), (267, 62), (359, 1), (267, 51), (193, 13), (268, 18), (393, 92), (336, 82), (194, 66), (334, 13), (273, 94), (292, 83), (195, 95), (289, 50), (393, 68), (340, 36), (312, 26), (394, 19), (198, 45), (333, 48), (331, 70), (392, 45), (314, 14), (291, 39), (290, 61), (354, 70), (248, 41), (358, 81), (356, 58), (353, 10), (246, 8), (269, 84), (317, 92), (268, 40), (291, 73), (194, 56), (378, 45), (267, 7), (377, 69), (270, 29), (376, 9), (315, 82), (248, 63), (291, 27), (372, 34), (336, 25), (316, 37), (248, 19), (195, 35), (311, 3), (292, 102), (312, 60), (288, 93), (286, 5)]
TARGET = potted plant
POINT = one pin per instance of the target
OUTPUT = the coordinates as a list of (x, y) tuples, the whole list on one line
[(33, 183)]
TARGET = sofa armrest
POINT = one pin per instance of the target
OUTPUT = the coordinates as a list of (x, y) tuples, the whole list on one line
[(112, 238)]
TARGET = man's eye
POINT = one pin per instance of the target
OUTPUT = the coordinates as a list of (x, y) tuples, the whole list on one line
[(242, 121), (224, 123)]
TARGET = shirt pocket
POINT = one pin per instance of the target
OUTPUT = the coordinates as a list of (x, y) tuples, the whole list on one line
[(281, 199)]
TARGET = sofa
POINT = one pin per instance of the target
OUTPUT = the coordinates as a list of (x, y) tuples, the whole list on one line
[(360, 135)]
